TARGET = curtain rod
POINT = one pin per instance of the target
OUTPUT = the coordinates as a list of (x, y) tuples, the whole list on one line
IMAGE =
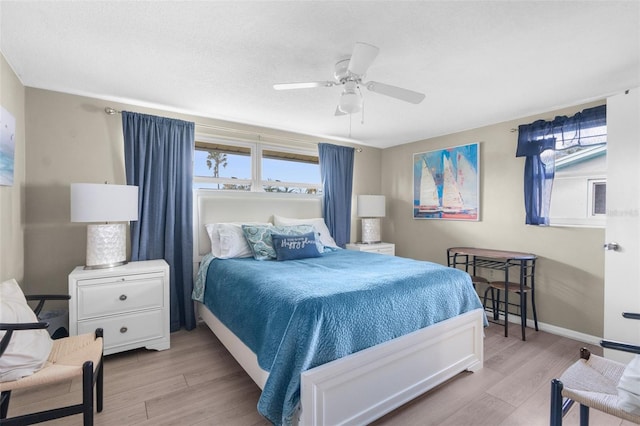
[(113, 111)]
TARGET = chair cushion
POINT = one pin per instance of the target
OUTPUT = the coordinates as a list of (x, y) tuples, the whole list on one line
[(629, 387), (28, 349)]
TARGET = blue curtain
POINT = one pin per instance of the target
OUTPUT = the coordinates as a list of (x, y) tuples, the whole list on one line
[(336, 173), (538, 141), (158, 159)]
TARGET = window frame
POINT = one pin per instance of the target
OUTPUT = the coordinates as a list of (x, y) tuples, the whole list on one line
[(591, 199), (300, 151), (256, 182), (583, 181), (224, 180)]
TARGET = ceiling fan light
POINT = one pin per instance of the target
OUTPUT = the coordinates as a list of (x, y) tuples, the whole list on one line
[(350, 102)]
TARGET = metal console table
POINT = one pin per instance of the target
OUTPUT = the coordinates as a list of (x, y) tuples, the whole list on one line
[(471, 258)]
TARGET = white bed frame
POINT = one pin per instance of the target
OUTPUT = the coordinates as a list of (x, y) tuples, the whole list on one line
[(361, 387)]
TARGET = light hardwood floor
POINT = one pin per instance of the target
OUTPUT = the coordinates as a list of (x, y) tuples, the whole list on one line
[(197, 382)]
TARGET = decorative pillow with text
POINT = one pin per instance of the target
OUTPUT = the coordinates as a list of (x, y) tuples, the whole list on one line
[(318, 223), (289, 247), (261, 243)]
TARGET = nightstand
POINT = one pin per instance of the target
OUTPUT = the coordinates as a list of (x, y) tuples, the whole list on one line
[(382, 248), (130, 302)]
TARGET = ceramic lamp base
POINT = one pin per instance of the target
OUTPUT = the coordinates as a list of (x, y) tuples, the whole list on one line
[(371, 230), (106, 246)]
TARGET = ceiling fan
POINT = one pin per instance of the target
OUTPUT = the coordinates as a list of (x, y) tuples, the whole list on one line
[(349, 73)]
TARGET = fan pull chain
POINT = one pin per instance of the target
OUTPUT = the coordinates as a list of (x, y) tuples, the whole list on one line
[(350, 125)]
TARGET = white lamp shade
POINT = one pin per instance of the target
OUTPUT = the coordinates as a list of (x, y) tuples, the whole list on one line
[(371, 206), (95, 202)]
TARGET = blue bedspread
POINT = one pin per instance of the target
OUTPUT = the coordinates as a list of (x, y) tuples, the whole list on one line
[(298, 314)]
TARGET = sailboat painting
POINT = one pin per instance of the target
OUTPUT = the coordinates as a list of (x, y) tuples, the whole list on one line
[(446, 183)]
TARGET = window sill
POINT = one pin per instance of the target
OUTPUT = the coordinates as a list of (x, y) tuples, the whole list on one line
[(564, 223)]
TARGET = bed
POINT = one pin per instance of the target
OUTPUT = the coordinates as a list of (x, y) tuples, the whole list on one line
[(321, 381)]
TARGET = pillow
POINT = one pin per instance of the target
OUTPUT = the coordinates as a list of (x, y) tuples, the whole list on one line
[(259, 239), (232, 241), (261, 243), (289, 247), (629, 387), (300, 230), (325, 236), (28, 350), (214, 237), (228, 241)]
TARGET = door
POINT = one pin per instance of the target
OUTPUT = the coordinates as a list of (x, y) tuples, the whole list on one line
[(622, 265)]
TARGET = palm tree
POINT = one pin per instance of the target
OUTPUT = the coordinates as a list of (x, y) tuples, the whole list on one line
[(216, 159)]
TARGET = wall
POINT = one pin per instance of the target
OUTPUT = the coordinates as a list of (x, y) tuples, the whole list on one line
[(12, 206), (570, 269), (367, 179), (71, 139)]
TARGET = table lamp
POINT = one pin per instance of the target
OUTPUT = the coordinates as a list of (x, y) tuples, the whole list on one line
[(106, 242), (371, 208)]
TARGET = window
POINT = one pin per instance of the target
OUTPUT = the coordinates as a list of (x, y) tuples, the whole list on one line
[(574, 139), (222, 166), (598, 197), (256, 167), (578, 197), (290, 172)]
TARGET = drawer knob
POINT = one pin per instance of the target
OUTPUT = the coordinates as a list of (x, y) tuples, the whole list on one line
[(123, 329), (123, 297)]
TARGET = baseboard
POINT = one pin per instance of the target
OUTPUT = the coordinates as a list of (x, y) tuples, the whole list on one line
[(565, 332), (559, 331)]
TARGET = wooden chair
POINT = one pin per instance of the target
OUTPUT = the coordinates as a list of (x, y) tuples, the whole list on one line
[(520, 303), (70, 357), (592, 382), (475, 279)]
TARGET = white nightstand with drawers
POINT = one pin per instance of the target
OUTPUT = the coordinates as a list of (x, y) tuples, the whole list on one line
[(382, 248), (130, 302)]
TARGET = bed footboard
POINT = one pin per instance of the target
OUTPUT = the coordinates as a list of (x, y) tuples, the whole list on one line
[(364, 386)]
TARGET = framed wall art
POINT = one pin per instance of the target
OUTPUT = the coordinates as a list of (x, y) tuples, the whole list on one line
[(7, 147), (446, 183)]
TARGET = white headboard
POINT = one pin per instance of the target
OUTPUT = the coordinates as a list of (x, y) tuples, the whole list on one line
[(220, 206)]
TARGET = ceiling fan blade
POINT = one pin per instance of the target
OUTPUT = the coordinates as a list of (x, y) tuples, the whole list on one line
[(305, 85), (395, 92), (362, 58)]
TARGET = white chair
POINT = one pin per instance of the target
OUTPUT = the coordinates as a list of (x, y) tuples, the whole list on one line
[(70, 357), (593, 383)]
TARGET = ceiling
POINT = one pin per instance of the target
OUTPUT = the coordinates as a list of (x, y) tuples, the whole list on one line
[(478, 62)]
